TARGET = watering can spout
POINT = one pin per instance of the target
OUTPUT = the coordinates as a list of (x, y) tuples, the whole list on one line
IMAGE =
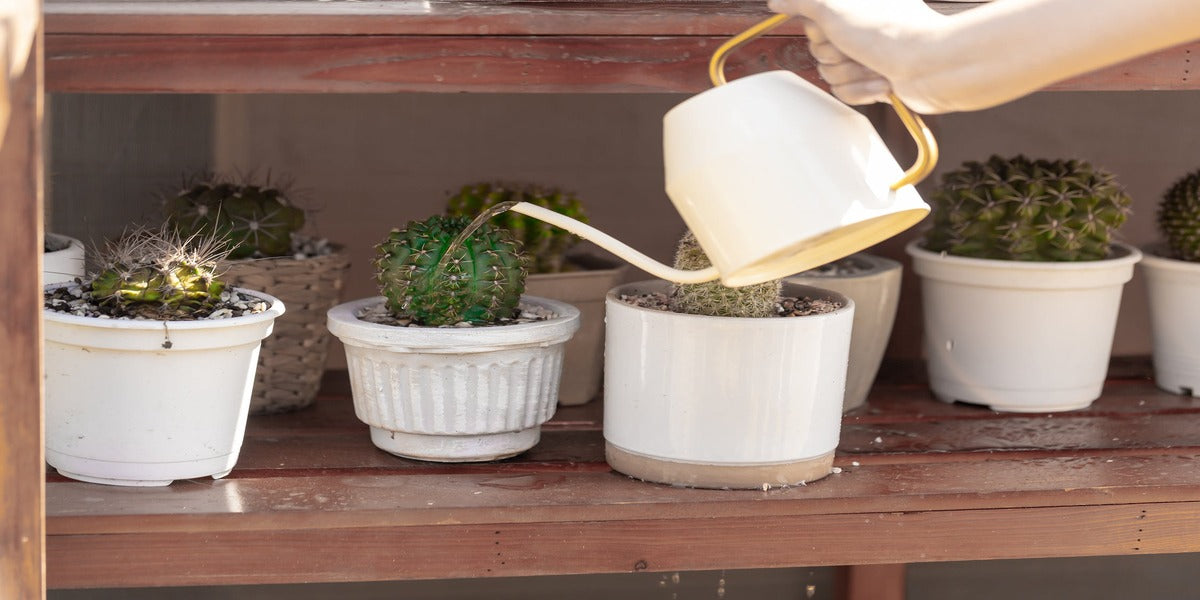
[(617, 247)]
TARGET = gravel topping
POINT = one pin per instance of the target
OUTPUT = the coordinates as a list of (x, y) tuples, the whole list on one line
[(786, 307), (379, 314), (76, 299)]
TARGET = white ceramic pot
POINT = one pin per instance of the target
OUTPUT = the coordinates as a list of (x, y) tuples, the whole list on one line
[(1173, 289), (1020, 336), (142, 403), (875, 289), (583, 359), (64, 264), (723, 402), (451, 394)]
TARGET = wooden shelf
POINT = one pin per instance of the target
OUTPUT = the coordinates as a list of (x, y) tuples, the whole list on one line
[(214, 46), (312, 500)]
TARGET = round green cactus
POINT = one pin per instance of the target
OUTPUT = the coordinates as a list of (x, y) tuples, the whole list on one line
[(1031, 210), (156, 274), (713, 298), (1179, 218), (545, 244), (256, 220), (479, 282)]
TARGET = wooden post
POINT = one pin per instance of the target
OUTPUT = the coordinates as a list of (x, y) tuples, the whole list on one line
[(22, 466), (871, 582)]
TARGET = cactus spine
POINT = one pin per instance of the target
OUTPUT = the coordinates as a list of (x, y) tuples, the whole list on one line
[(545, 244), (1179, 218), (713, 298), (157, 274), (480, 282), (257, 221), (1032, 210)]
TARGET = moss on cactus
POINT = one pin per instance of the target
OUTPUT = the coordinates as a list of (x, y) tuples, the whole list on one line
[(713, 298), (256, 220), (1179, 218), (1031, 210), (545, 244), (157, 274), (480, 282)]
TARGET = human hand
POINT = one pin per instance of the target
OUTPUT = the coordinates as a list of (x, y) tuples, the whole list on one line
[(867, 48)]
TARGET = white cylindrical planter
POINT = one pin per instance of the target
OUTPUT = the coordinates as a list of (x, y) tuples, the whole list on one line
[(65, 263), (1173, 290), (451, 394), (875, 290), (142, 403), (723, 402), (1020, 336)]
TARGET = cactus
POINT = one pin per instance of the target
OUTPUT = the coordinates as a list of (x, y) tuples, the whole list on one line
[(1031, 210), (480, 282), (1179, 218), (157, 274), (257, 221), (545, 244), (713, 298)]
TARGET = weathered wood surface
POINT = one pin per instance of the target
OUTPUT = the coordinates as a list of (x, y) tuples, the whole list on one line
[(919, 481), (21, 457), (312, 46)]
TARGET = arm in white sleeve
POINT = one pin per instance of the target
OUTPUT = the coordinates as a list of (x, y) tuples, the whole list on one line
[(983, 56)]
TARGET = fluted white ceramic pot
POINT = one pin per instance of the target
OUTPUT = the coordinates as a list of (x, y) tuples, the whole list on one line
[(142, 403), (64, 263), (1173, 290), (723, 402), (451, 394), (1020, 336)]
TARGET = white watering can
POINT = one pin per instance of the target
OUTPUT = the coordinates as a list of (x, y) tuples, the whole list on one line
[(774, 177)]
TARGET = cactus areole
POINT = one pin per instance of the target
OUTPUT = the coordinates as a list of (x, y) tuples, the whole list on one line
[(156, 274), (480, 282), (1027, 210), (715, 299), (1179, 218)]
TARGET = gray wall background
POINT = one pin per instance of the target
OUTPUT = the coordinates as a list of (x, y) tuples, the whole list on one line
[(365, 164)]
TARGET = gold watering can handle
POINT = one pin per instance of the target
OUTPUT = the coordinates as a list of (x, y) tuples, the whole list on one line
[(927, 150)]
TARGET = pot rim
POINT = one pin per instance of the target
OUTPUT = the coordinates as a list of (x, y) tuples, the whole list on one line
[(879, 264), (1152, 257), (273, 311), (1129, 255), (612, 298)]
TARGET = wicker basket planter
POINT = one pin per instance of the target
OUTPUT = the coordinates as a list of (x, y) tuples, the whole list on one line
[(292, 360)]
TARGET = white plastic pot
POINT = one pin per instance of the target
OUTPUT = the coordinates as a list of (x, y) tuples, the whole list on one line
[(876, 293), (142, 403), (65, 264), (1020, 336), (1173, 289), (723, 402), (450, 394)]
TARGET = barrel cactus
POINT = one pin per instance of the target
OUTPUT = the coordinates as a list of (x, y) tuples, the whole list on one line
[(1179, 218), (256, 220), (1030, 210), (545, 244), (479, 282), (713, 298), (157, 274)]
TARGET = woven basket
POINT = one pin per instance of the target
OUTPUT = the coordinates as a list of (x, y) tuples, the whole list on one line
[(292, 358)]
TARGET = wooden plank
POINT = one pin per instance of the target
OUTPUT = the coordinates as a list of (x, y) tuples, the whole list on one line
[(871, 582), (414, 17), (376, 64), (452, 550), (21, 457)]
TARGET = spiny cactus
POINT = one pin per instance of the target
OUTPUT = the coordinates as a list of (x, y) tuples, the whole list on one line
[(1179, 218), (1032, 210), (713, 298), (480, 282), (157, 274), (256, 220), (545, 244)]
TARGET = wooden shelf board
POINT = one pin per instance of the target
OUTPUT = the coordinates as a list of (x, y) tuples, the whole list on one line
[(919, 481)]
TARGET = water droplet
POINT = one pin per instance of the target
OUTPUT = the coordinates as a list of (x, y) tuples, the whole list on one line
[(675, 578), (721, 587), (810, 590)]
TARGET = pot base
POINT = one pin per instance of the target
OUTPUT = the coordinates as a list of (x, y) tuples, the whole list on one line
[(455, 448), (1178, 375), (138, 474), (109, 481), (706, 475), (1017, 401)]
